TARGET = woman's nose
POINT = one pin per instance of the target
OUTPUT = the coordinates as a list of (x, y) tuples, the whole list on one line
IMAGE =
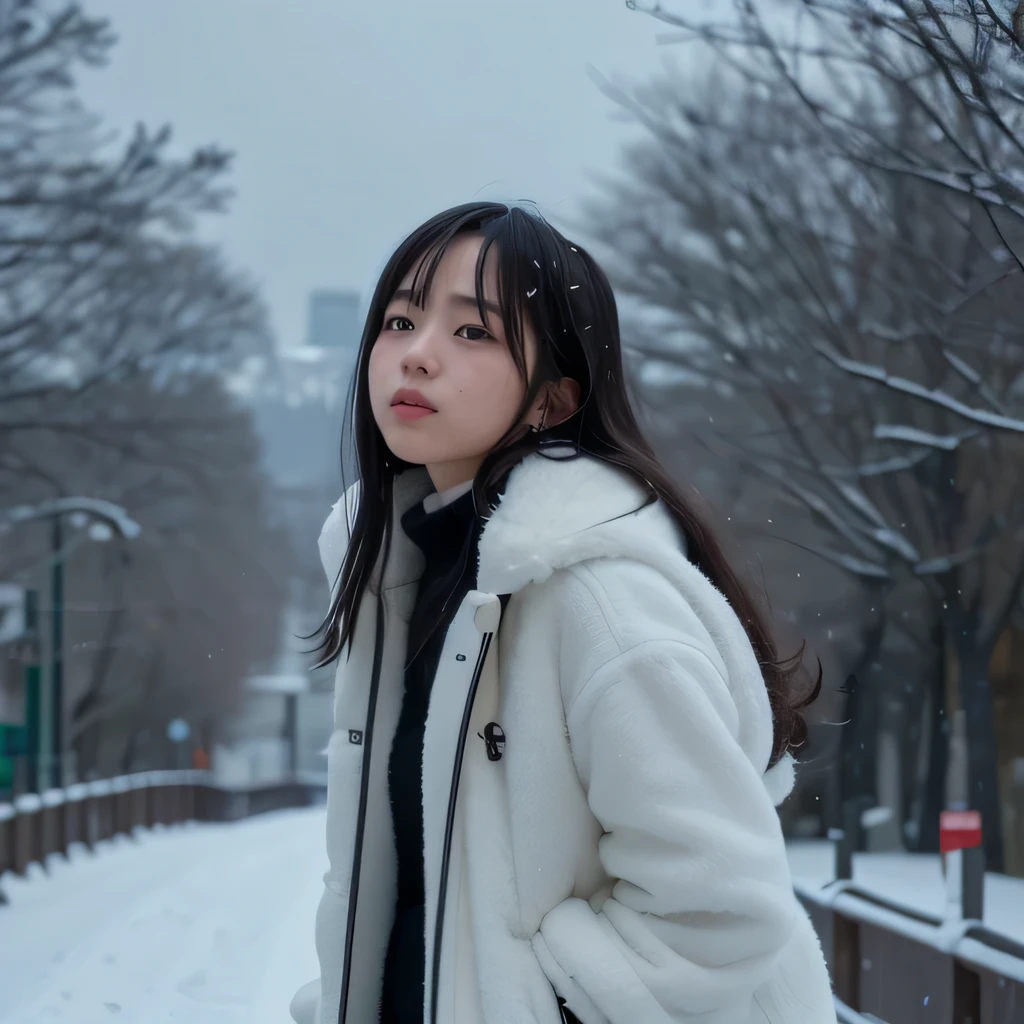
[(421, 355)]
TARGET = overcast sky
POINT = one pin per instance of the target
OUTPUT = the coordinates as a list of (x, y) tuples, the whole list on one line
[(354, 121)]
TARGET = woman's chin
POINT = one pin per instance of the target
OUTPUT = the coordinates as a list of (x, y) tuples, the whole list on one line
[(414, 451)]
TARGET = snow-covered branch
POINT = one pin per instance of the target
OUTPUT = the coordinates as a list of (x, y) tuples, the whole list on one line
[(913, 435), (935, 396), (114, 516)]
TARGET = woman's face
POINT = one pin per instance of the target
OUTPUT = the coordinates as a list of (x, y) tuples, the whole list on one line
[(466, 383)]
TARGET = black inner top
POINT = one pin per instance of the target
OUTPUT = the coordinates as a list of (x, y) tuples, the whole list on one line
[(447, 537)]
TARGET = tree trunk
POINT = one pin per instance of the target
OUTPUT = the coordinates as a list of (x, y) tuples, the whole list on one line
[(931, 758), (982, 751), (858, 741), (933, 797)]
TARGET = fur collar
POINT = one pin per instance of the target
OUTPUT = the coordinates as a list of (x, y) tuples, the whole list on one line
[(557, 510)]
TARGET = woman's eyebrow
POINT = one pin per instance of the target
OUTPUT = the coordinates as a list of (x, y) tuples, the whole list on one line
[(470, 300), (405, 294)]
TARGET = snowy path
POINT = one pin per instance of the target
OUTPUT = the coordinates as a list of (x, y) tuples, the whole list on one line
[(211, 924)]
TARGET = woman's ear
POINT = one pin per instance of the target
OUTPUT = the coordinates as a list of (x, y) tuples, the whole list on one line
[(560, 401)]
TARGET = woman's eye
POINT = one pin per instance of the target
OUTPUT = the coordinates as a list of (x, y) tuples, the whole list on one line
[(392, 323), (479, 335)]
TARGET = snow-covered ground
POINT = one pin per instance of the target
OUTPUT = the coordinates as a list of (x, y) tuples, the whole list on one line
[(911, 879), (210, 924), (213, 924)]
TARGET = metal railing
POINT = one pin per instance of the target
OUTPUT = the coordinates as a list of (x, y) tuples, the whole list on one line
[(34, 827), (896, 965)]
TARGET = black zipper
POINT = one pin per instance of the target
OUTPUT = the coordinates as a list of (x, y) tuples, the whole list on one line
[(364, 789), (449, 828)]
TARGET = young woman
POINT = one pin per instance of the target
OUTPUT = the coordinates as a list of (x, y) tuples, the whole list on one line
[(561, 726)]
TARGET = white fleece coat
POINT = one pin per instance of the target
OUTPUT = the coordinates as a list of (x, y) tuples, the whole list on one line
[(624, 852)]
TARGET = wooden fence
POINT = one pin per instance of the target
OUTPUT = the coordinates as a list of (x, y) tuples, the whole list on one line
[(894, 965), (35, 826)]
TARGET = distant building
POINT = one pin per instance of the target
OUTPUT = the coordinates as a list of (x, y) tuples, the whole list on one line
[(334, 320), (318, 373), (285, 718)]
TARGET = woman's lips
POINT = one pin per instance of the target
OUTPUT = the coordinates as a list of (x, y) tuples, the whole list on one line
[(406, 413)]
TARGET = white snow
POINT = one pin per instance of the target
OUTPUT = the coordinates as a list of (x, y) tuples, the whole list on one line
[(936, 396), (875, 816), (895, 541), (898, 432), (104, 510), (211, 924), (913, 880)]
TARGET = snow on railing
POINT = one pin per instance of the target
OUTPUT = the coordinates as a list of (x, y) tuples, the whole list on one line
[(117, 784), (879, 927), (90, 812)]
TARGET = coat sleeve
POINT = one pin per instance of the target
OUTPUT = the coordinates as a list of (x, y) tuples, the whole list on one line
[(703, 902)]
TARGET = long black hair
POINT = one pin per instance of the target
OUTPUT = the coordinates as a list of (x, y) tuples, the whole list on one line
[(569, 303)]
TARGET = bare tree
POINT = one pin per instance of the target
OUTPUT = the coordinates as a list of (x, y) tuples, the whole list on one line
[(170, 624), (834, 243), (116, 331), (99, 277)]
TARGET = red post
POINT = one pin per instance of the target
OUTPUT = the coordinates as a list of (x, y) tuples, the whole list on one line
[(959, 830), (960, 843)]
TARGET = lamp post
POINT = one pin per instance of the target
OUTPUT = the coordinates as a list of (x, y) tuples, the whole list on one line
[(105, 519), (57, 653)]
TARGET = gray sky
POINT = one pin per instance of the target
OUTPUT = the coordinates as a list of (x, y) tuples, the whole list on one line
[(354, 121)]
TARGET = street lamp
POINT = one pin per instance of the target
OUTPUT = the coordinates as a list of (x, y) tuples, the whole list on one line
[(104, 519)]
